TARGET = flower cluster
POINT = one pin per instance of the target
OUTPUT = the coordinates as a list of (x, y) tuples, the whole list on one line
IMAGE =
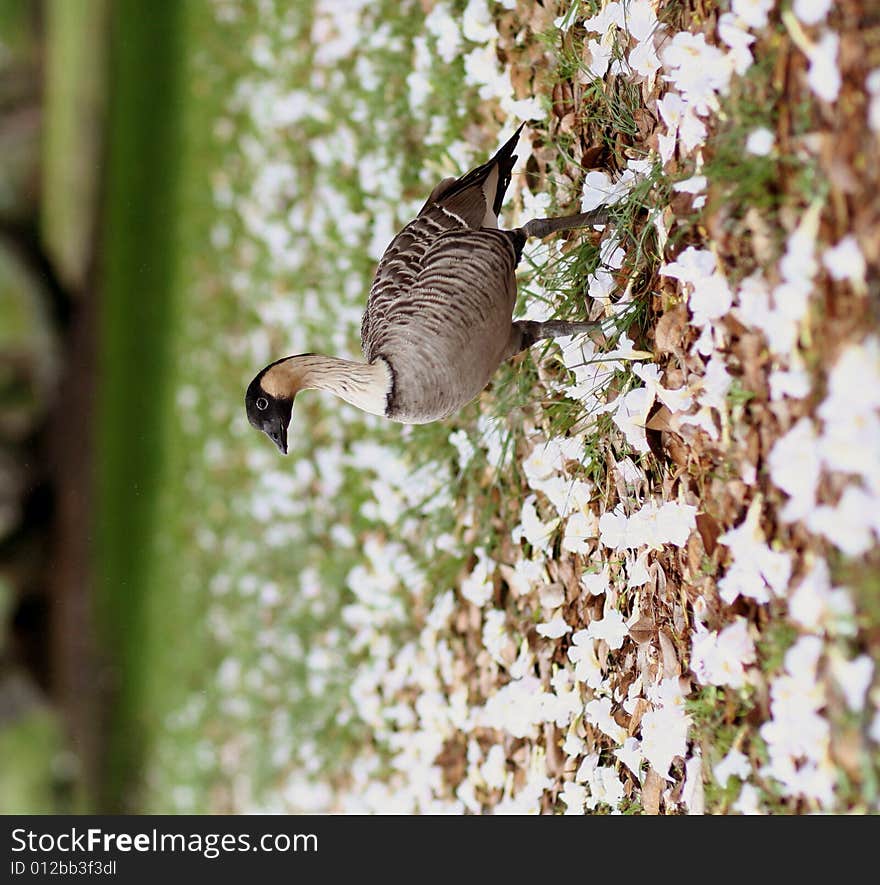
[(473, 662)]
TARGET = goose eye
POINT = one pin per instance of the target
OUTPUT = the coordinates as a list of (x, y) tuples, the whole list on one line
[(262, 404)]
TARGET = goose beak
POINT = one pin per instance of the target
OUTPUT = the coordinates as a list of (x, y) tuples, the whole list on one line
[(278, 435)]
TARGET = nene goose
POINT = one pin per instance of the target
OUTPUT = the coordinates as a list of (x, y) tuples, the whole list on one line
[(439, 318)]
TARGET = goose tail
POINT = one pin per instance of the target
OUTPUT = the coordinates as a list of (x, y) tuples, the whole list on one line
[(472, 195)]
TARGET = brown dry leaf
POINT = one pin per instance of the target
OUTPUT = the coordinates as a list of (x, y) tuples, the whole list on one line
[(709, 531), (676, 450), (643, 630), (763, 244), (645, 123), (555, 759), (660, 420), (651, 791), (452, 759), (563, 99), (671, 331), (521, 81), (695, 553), (592, 157), (568, 123), (639, 709), (753, 358), (671, 665), (541, 17)]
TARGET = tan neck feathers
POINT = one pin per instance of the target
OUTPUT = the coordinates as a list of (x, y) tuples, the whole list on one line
[(365, 385)]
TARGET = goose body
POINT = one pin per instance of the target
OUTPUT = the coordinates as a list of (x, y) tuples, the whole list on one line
[(439, 317)]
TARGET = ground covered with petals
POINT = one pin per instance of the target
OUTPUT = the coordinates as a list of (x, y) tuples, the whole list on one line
[(640, 573)]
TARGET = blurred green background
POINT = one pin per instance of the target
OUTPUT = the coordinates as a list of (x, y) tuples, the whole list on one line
[(174, 633), (89, 164)]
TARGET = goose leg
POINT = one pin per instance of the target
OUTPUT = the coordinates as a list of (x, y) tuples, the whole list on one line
[(543, 227), (524, 333)]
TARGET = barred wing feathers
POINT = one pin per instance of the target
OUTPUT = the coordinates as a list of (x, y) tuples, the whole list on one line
[(445, 335), (467, 203)]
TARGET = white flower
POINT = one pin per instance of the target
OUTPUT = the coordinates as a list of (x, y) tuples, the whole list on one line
[(850, 523), (846, 262), (495, 636), (598, 713), (465, 448), (815, 606), (600, 57), (652, 525), (517, 708), (630, 415), (798, 265), (478, 586), (640, 20), (664, 736), (545, 459), (494, 769), (524, 574), (605, 786), (872, 85), (760, 142), (693, 265), (697, 69), (854, 678), (476, 22), (736, 36), (574, 796), (874, 729), (611, 627), (630, 754), (626, 467), (445, 29), (734, 764), (824, 75), (554, 628), (531, 108), (811, 12), (582, 654), (531, 529), (710, 299), (749, 801), (482, 70), (797, 735), (684, 129), (696, 184), (600, 190), (643, 60), (692, 795), (613, 525), (850, 440), (666, 693), (753, 12), (795, 467), (670, 523), (721, 658), (608, 18), (793, 382), (441, 611), (580, 529), (756, 571), (637, 573), (573, 746), (596, 583)]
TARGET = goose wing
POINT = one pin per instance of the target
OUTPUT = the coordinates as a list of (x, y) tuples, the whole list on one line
[(446, 335), (455, 204)]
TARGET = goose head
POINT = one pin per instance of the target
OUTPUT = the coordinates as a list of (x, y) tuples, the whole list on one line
[(269, 407)]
